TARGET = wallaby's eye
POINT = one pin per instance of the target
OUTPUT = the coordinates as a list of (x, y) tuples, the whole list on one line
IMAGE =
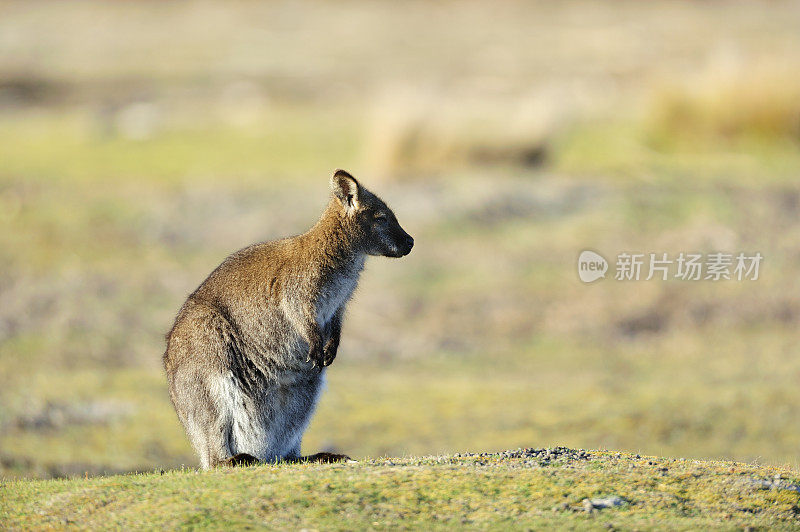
[(381, 217)]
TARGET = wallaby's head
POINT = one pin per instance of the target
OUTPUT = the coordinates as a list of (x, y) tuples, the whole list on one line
[(371, 224)]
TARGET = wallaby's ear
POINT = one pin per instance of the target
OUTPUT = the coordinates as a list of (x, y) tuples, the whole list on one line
[(345, 187)]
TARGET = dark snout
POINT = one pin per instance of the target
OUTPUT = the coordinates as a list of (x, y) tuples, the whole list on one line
[(402, 245), (409, 243)]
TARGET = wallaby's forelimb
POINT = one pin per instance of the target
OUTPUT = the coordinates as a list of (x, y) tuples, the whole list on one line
[(334, 333), (306, 323)]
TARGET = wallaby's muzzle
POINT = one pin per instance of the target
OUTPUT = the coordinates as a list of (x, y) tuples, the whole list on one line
[(408, 244), (399, 243)]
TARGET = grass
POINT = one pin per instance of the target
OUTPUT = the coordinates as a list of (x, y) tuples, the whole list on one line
[(635, 151), (741, 126), (491, 491), (77, 146), (671, 396)]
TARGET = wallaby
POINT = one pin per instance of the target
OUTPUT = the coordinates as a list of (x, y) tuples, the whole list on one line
[(246, 357)]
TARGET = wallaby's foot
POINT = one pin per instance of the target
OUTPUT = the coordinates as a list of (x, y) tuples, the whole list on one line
[(241, 459), (327, 458)]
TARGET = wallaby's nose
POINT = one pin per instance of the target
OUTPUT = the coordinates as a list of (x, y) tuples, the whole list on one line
[(409, 242)]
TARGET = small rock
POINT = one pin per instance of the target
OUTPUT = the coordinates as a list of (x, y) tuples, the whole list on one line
[(602, 503)]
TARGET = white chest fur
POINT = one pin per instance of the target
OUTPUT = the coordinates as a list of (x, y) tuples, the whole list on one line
[(337, 293)]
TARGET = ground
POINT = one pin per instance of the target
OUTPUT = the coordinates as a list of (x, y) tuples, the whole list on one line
[(519, 489)]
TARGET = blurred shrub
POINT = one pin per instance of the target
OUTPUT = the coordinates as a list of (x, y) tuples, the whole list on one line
[(761, 104), (432, 132)]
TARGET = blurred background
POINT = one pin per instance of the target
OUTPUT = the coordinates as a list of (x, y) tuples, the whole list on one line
[(142, 142)]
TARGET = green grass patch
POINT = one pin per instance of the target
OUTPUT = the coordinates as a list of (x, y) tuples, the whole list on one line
[(564, 489), (78, 146)]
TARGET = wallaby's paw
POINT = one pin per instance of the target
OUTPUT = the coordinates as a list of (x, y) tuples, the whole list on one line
[(316, 355), (329, 353)]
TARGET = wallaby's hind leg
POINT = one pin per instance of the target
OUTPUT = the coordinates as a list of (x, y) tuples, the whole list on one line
[(208, 430), (194, 359), (322, 458), (329, 458)]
